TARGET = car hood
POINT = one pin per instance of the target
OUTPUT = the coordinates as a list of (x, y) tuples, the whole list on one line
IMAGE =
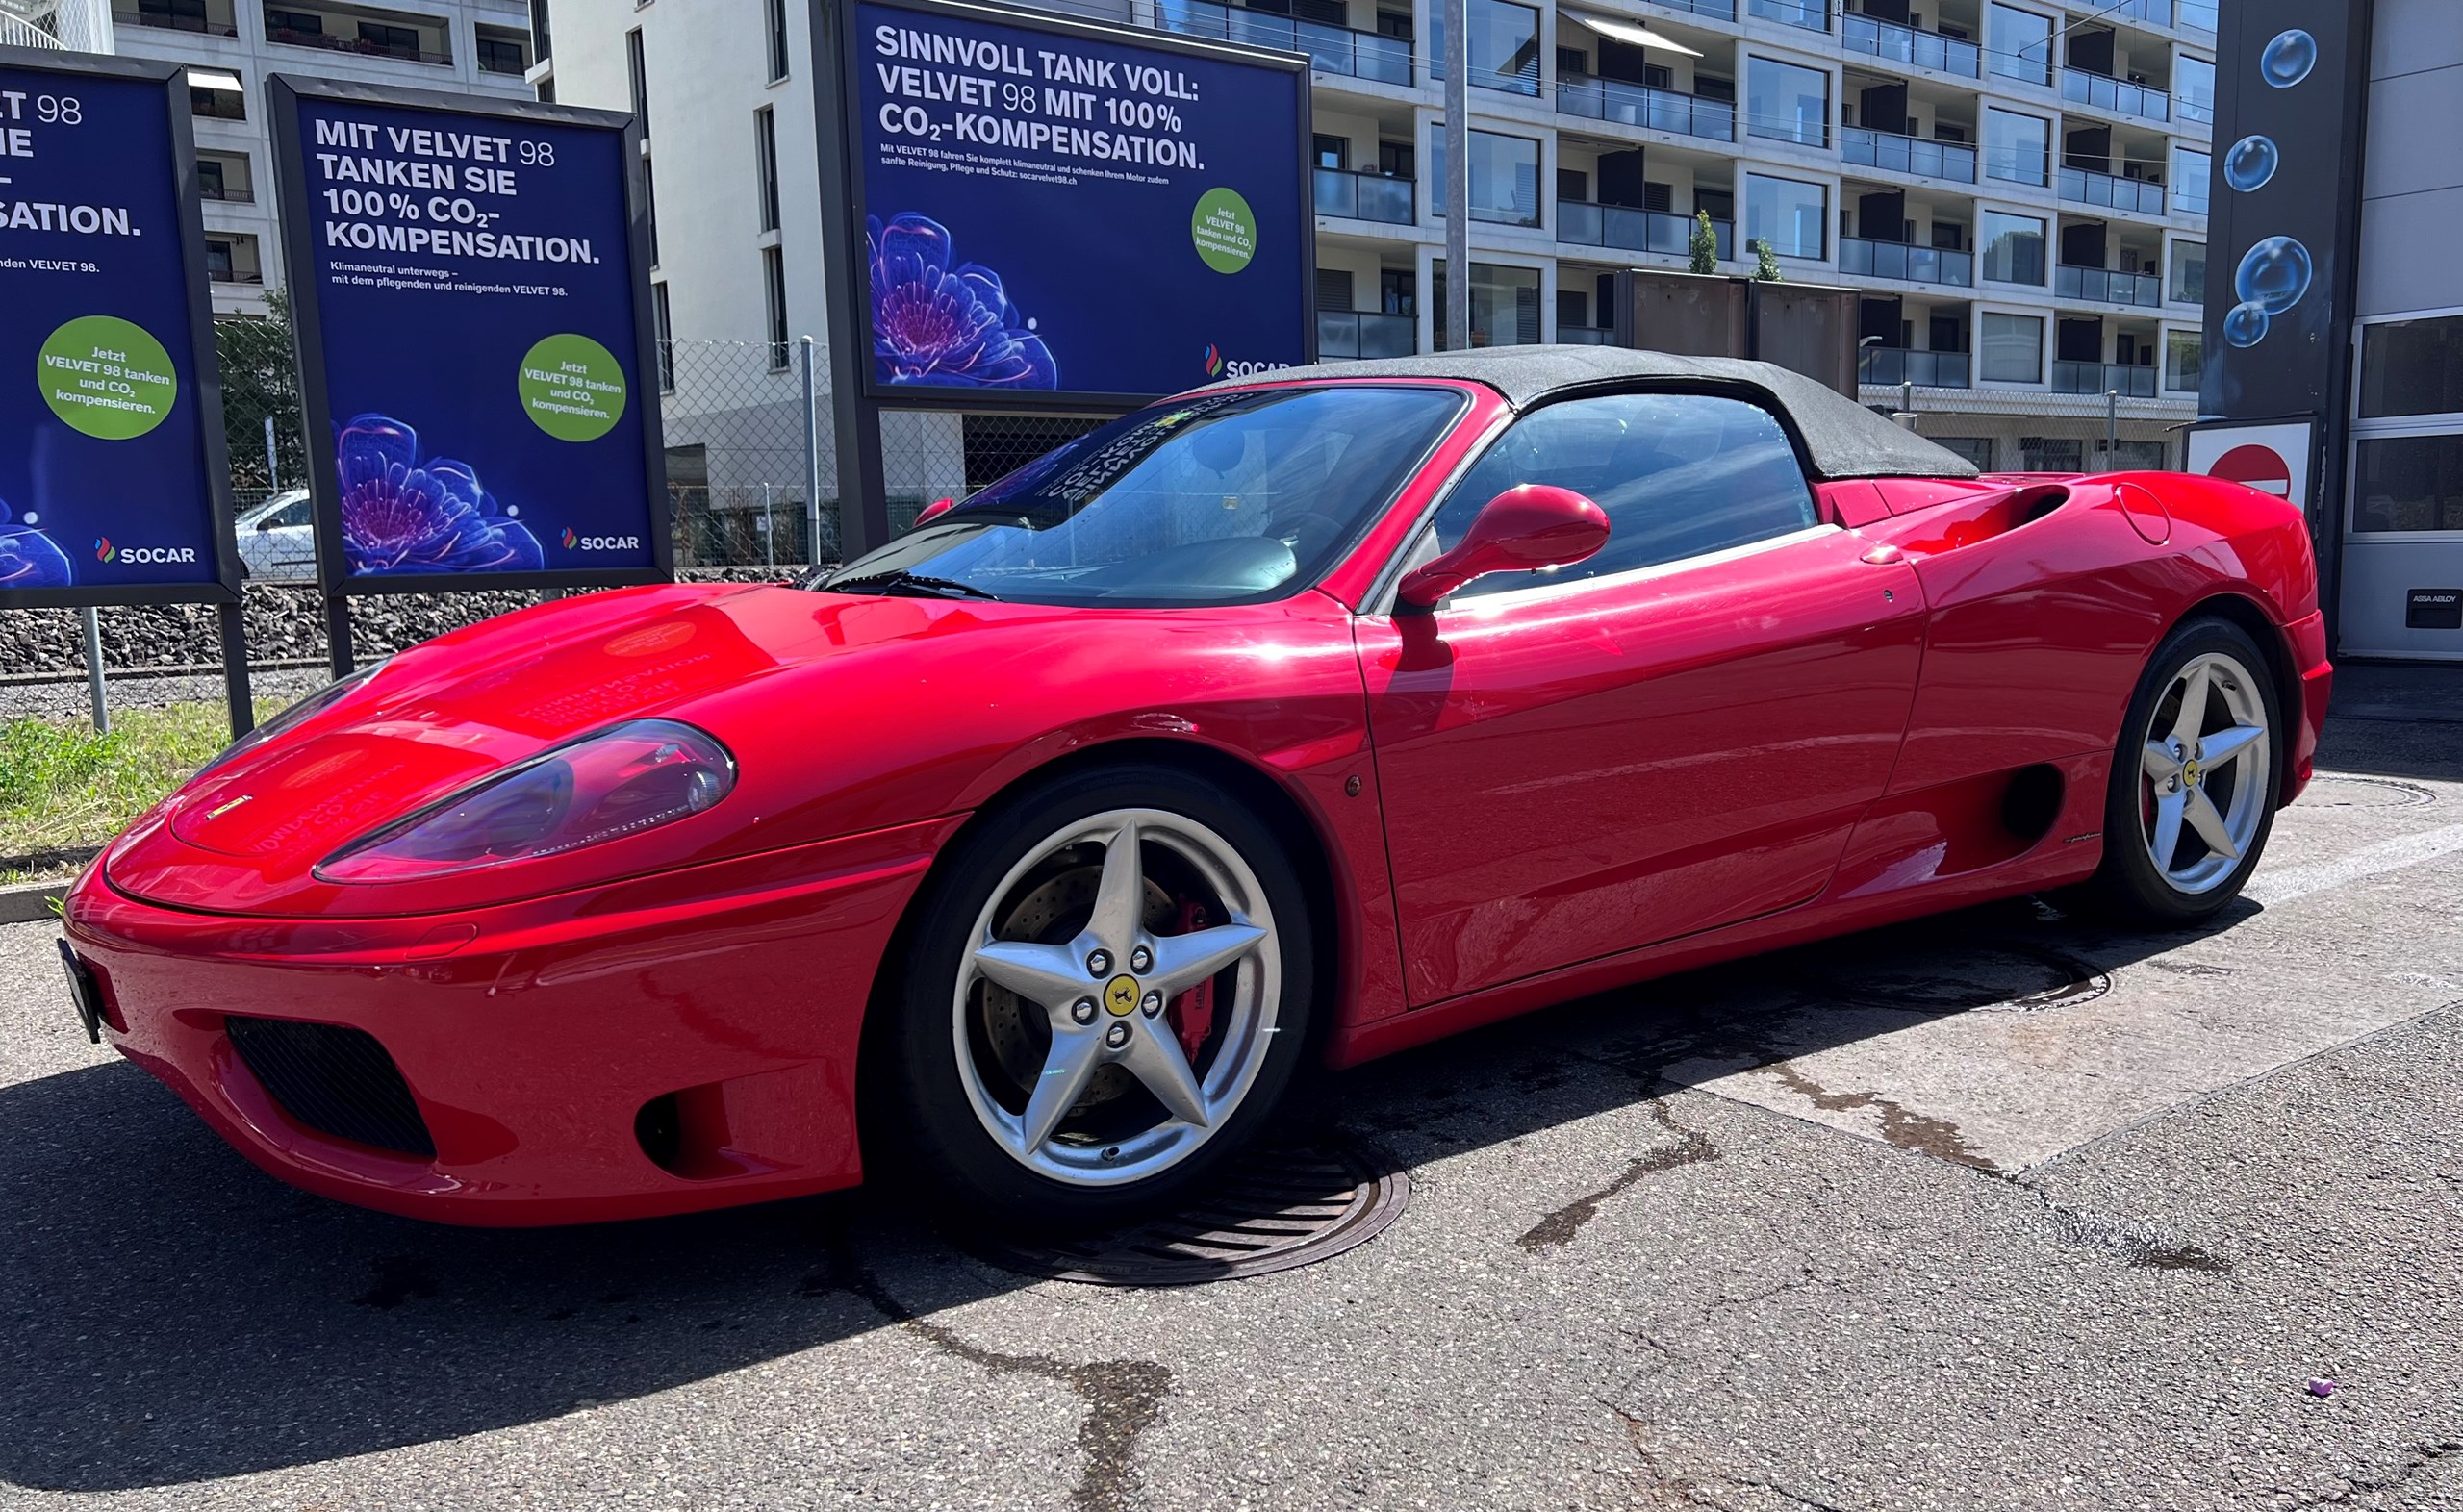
[(843, 713)]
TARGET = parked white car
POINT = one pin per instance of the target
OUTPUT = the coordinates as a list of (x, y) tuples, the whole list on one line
[(278, 541)]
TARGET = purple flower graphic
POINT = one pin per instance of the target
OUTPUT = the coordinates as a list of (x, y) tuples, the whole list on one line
[(28, 558), (949, 329), (401, 514)]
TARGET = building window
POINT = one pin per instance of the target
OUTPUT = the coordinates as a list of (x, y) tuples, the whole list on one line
[(295, 26), (1397, 292), (218, 96), (209, 182), (2013, 249), (773, 291), (776, 15), (2184, 353), (2411, 367), (389, 42), (499, 55), (1505, 305), (1787, 103), (1976, 449), (2017, 148), (637, 75), (2019, 44), (1505, 176), (2408, 483), (1793, 216), (2193, 87), (765, 148), (663, 326), (2188, 273), (2051, 454), (2010, 349), (649, 205), (2188, 180), (1502, 47)]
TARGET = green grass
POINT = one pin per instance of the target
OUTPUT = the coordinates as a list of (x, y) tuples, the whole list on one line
[(63, 787)]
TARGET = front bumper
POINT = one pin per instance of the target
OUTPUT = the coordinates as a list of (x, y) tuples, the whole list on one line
[(2307, 638), (727, 998)]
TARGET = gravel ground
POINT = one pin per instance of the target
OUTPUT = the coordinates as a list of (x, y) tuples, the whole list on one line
[(1884, 1225)]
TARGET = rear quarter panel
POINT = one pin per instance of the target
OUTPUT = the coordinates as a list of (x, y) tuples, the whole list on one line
[(2037, 635)]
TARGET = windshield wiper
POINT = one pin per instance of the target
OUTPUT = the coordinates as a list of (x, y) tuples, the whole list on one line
[(922, 584)]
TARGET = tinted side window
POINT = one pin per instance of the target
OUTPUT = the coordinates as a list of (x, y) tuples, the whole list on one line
[(294, 512), (1679, 474)]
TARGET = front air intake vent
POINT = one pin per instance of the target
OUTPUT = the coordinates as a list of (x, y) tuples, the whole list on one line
[(334, 1080)]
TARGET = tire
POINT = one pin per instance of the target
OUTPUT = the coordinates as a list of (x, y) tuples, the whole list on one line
[(2168, 872), (1171, 1060)]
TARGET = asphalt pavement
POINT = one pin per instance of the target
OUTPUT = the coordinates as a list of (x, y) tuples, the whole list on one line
[(2004, 1211)]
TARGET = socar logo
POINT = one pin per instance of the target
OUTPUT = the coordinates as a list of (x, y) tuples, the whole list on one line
[(1213, 360), (570, 538), (104, 550)]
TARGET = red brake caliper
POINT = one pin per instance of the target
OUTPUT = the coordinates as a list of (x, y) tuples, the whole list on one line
[(1192, 1012)]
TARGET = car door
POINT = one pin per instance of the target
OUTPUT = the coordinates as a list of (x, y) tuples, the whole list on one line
[(1674, 735)]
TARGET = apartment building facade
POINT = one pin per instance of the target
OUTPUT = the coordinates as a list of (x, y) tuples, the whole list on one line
[(2019, 189), (229, 46)]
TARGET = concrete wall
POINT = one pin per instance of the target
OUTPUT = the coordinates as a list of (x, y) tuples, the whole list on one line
[(2412, 191)]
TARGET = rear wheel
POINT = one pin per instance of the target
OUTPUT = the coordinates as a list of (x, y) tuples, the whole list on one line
[(1109, 991), (2195, 780)]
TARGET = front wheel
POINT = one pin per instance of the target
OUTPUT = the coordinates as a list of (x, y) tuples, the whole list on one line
[(2194, 781), (1110, 991)]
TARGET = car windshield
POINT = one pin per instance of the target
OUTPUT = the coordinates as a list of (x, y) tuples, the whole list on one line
[(1215, 499)]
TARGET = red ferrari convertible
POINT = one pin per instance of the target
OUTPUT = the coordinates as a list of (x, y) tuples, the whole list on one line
[(1289, 720)]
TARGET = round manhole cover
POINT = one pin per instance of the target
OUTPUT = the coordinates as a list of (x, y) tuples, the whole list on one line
[(1992, 976), (2337, 791), (1278, 1208)]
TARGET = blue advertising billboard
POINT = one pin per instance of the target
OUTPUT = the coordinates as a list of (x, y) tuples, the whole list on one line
[(1053, 211), (113, 487), (471, 288)]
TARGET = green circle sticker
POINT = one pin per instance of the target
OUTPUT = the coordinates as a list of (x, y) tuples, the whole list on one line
[(1225, 230), (572, 388), (107, 377)]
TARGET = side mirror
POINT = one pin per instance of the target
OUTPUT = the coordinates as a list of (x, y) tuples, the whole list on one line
[(1534, 525), (935, 510)]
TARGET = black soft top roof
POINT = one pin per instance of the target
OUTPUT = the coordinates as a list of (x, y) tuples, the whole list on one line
[(1841, 438)]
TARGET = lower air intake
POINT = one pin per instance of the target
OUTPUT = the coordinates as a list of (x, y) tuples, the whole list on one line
[(336, 1080)]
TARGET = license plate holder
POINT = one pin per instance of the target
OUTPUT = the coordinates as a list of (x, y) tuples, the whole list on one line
[(84, 991)]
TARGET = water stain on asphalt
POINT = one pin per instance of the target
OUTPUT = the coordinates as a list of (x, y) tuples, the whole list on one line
[(1124, 1397), (1692, 1148), (398, 1279), (1901, 1126)]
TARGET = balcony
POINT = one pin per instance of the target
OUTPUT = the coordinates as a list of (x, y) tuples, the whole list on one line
[(2146, 12), (1330, 49), (1639, 104), (2121, 378), (1882, 149), (1583, 223), (1814, 15), (1897, 259), (2105, 285), (1709, 9), (1892, 364), (365, 33), (203, 17), (2117, 95), (1905, 44), (1365, 333), (2106, 191), (1364, 196), (2199, 14)]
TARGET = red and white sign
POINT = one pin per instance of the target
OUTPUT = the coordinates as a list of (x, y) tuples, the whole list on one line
[(2273, 458)]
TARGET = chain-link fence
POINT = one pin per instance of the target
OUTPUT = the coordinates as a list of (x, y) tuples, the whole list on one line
[(260, 405), (744, 452), (2011, 430)]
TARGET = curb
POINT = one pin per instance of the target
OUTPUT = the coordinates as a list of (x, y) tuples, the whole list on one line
[(29, 902)]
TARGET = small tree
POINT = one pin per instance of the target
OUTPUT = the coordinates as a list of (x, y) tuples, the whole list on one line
[(1765, 265), (1705, 247)]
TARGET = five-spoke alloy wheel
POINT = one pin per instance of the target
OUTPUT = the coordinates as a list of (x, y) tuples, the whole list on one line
[(1109, 991), (2194, 781)]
